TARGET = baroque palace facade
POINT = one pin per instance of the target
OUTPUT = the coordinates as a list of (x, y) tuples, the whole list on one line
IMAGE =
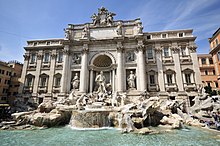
[(160, 64)]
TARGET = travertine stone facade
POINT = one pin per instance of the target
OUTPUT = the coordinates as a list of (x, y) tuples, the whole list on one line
[(164, 63)]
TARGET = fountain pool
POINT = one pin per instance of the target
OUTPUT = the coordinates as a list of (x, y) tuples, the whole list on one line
[(66, 136)]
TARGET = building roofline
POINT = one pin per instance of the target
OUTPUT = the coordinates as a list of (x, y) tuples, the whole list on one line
[(42, 40), (176, 30), (204, 55), (214, 35)]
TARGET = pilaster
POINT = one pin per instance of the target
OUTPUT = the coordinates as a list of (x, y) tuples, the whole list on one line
[(196, 70), (177, 68), (24, 73), (38, 70), (52, 71)]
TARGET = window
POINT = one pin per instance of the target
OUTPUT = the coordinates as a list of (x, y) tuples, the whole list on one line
[(3, 72), (219, 56), (216, 42), (3, 98), (148, 37), (210, 61), (164, 35), (60, 57), (0, 80), (180, 34), (166, 52), (188, 78), (206, 72), (33, 58), (216, 84), (203, 61), (150, 53), (169, 79), (48, 43), (57, 81), (29, 81), (213, 71), (209, 84), (46, 57), (152, 79), (43, 81), (6, 81), (183, 50)]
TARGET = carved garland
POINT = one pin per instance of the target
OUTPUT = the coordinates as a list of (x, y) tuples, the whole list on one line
[(175, 49), (53, 56), (39, 56)]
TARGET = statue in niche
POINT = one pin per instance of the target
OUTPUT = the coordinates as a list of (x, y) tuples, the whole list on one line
[(139, 28), (85, 32), (119, 28), (131, 80), (130, 56), (100, 80), (75, 81), (109, 18), (76, 58), (95, 19)]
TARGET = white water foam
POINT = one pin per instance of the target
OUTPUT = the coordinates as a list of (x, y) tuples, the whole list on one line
[(88, 129)]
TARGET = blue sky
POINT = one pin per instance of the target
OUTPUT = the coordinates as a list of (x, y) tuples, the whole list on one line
[(22, 20)]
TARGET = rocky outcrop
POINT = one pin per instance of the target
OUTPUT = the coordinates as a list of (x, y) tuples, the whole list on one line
[(173, 120), (90, 119)]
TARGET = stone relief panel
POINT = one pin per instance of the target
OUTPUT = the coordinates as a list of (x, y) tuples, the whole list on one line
[(130, 56), (76, 58)]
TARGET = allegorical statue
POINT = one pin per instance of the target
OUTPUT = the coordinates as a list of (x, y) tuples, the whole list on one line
[(139, 28), (95, 19), (67, 34), (85, 32), (119, 28), (131, 80), (109, 18), (100, 80), (75, 81)]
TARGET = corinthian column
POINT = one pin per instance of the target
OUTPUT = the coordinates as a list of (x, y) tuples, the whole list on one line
[(83, 86), (141, 78), (160, 69), (120, 72), (65, 69)]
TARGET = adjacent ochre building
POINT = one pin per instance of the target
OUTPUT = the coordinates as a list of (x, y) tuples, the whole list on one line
[(208, 72), (164, 63), (215, 52), (10, 73)]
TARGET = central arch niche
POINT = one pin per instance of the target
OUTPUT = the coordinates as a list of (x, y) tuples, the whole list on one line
[(105, 62), (102, 61)]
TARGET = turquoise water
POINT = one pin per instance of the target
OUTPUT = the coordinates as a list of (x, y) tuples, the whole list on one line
[(65, 136)]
